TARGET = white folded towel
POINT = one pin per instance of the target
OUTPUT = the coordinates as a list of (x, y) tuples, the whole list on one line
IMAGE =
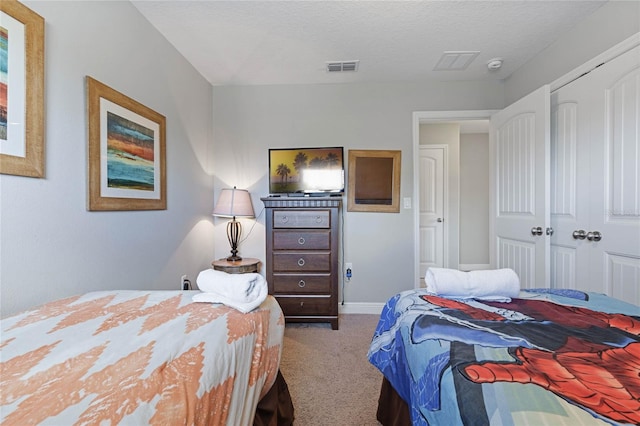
[(497, 284), (244, 292)]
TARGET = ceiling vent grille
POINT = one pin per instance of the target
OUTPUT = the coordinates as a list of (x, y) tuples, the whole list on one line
[(456, 61), (342, 66)]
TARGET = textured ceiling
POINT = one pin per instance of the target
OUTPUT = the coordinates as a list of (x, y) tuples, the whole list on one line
[(288, 42)]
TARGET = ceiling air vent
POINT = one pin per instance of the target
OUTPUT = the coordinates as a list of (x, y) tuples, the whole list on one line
[(456, 61), (340, 66)]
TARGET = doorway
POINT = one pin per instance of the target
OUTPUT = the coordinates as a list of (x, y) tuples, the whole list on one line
[(454, 212)]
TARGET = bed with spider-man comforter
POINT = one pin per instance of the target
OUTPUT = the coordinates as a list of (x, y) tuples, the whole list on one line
[(548, 357)]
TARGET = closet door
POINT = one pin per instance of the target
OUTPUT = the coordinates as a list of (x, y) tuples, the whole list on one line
[(571, 190), (520, 140), (615, 165), (596, 181)]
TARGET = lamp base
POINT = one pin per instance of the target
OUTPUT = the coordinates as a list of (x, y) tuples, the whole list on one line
[(234, 229)]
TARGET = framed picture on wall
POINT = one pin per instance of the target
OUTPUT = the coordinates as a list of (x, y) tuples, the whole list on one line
[(21, 90), (127, 167), (374, 181)]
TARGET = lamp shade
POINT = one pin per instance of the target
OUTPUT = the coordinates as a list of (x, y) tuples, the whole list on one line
[(234, 203)]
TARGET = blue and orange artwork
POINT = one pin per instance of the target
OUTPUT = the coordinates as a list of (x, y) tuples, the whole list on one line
[(130, 154), (4, 69)]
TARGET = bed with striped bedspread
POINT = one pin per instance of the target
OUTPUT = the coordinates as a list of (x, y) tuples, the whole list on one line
[(138, 357)]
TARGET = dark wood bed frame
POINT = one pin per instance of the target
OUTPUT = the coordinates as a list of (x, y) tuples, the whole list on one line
[(392, 410), (276, 407)]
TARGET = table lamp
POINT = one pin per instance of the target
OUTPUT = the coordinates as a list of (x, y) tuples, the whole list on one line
[(234, 203)]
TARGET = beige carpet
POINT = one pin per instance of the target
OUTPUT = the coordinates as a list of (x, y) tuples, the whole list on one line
[(330, 378)]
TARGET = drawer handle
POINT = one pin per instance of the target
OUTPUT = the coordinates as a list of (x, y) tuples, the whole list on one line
[(301, 262), (284, 219), (302, 304), (301, 241), (301, 283), (318, 219)]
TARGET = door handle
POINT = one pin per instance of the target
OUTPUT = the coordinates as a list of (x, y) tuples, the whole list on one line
[(594, 236), (549, 231), (579, 234), (439, 219), (536, 230)]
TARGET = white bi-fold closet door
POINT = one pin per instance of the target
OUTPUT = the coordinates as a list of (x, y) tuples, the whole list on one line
[(568, 163), (519, 136), (595, 180)]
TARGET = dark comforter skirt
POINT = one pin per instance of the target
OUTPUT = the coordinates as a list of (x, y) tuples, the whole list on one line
[(276, 407)]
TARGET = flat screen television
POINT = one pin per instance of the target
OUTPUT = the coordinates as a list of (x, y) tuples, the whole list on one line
[(306, 171)]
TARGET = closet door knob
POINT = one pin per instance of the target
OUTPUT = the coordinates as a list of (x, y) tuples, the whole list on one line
[(579, 234), (439, 219), (536, 230), (594, 236)]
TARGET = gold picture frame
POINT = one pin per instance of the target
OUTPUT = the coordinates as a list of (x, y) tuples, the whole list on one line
[(22, 143), (374, 181), (127, 150)]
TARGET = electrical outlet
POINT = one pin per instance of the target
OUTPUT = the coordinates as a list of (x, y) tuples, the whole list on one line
[(183, 280), (348, 265)]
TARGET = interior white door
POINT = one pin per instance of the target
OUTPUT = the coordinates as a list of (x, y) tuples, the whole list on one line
[(520, 143), (596, 149), (615, 167), (432, 182), (570, 185)]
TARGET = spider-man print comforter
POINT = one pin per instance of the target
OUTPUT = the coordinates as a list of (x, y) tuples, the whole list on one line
[(137, 358), (547, 357)]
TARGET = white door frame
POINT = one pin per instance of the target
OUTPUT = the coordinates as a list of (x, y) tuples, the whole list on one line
[(426, 117)]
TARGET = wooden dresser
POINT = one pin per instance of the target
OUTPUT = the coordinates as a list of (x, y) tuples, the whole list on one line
[(302, 256)]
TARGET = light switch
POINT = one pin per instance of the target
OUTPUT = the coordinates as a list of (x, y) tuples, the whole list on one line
[(407, 202)]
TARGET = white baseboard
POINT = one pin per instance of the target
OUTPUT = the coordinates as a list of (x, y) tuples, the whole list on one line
[(473, 266), (361, 308)]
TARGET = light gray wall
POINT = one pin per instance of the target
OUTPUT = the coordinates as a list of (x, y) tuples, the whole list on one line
[(249, 120), (612, 23), (51, 246), (448, 134), (474, 199)]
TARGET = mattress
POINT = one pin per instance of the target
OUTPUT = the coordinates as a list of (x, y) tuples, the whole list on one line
[(546, 357), (138, 357)]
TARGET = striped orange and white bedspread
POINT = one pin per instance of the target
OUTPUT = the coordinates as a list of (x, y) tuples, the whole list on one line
[(137, 357)]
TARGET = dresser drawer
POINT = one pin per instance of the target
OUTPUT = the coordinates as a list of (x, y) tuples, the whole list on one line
[(299, 240), (301, 219), (301, 284), (301, 262), (305, 305)]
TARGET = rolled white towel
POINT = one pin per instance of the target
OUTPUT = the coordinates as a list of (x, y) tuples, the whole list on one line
[(495, 284), (243, 292)]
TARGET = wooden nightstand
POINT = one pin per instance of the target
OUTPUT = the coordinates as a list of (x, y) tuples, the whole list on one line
[(236, 267)]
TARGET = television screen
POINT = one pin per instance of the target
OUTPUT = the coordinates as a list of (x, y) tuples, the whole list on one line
[(306, 170)]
